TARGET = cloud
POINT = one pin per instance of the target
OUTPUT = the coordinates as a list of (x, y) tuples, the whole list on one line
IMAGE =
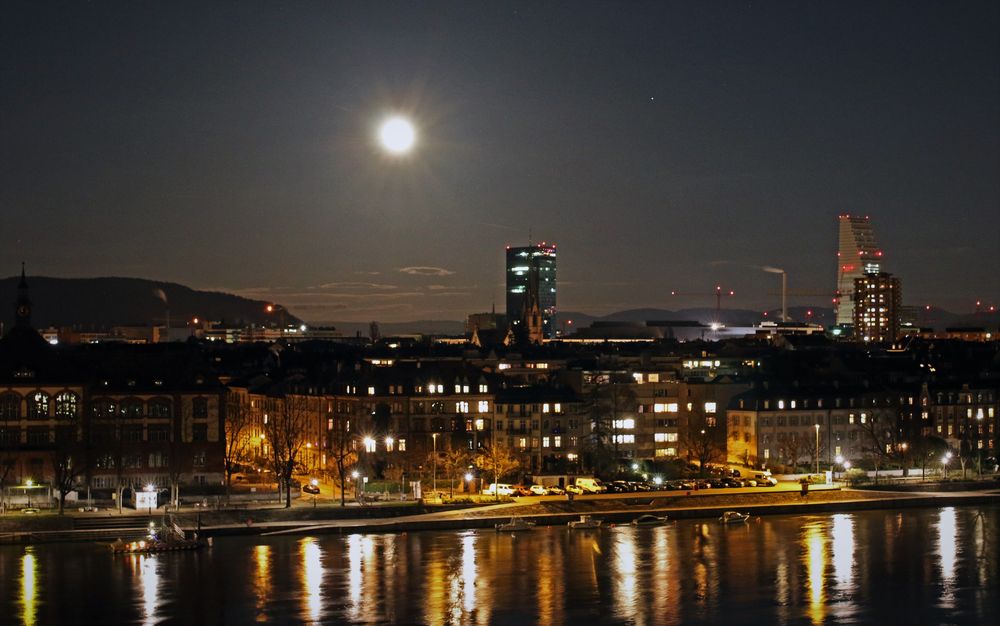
[(354, 285), (424, 270)]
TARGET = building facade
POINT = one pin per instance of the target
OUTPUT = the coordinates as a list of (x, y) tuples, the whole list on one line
[(877, 303)]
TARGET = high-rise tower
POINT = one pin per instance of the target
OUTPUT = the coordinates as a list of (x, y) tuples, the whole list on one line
[(877, 303), (857, 256), (522, 263)]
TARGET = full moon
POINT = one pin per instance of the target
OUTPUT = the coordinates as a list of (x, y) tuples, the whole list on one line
[(397, 135)]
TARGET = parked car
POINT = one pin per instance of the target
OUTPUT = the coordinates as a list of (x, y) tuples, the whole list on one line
[(520, 490), (640, 486), (555, 491), (310, 488), (684, 484), (765, 479), (538, 490), (574, 489), (732, 482), (502, 489), (618, 486)]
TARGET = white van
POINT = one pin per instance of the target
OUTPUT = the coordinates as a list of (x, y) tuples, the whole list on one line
[(591, 485), (764, 479), (504, 489)]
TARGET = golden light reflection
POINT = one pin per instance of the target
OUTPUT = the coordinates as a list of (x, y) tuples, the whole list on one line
[(843, 548), (262, 579), (625, 563), (947, 554), (312, 578), (354, 576), (661, 567), (29, 588), (149, 577), (469, 572), (816, 566)]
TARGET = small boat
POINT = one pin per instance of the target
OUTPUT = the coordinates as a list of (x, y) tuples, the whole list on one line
[(733, 517), (649, 520), (515, 523), (170, 539), (585, 522)]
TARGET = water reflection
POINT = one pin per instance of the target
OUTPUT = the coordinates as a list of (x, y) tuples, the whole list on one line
[(947, 554), (262, 580), (312, 578), (29, 590), (843, 548), (815, 565), (785, 570), (625, 592)]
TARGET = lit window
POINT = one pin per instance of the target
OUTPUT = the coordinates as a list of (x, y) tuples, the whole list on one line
[(462, 407), (371, 391), (557, 441), (545, 442), (484, 406), (483, 388), (402, 445), (557, 407), (710, 407), (545, 408)]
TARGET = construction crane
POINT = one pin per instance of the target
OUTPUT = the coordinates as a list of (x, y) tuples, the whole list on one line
[(718, 293)]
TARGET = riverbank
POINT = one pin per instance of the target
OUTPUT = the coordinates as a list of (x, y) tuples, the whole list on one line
[(542, 511), (614, 512)]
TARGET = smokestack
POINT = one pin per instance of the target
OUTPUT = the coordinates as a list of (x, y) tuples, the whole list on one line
[(784, 297)]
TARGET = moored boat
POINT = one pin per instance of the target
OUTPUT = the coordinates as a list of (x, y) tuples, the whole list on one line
[(170, 539), (585, 522), (515, 523), (649, 520), (734, 517)]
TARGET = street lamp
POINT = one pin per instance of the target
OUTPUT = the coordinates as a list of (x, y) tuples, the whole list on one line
[(434, 460), (817, 448), (839, 461)]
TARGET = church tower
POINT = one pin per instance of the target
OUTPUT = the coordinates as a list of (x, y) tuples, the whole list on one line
[(22, 308)]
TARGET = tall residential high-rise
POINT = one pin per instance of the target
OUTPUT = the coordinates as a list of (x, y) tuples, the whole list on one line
[(877, 307), (522, 262), (858, 255)]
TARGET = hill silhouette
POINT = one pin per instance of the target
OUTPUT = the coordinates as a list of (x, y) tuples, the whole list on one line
[(99, 303)]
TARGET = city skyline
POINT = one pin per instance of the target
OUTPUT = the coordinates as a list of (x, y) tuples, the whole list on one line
[(663, 147)]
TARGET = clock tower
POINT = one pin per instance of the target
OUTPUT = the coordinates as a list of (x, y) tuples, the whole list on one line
[(22, 308)]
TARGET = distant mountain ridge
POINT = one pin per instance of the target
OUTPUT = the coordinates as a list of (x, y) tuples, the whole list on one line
[(100, 303)]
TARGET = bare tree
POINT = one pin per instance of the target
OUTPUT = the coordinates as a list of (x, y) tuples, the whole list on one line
[(607, 405), (286, 429), (790, 450), (342, 452), (456, 462), (238, 423), (497, 460), (69, 461), (881, 442), (702, 442)]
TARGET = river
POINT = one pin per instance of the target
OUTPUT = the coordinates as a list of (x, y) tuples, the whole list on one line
[(914, 566)]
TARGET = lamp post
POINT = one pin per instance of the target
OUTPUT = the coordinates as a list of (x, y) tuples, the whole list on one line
[(434, 460), (839, 461), (817, 448), (357, 491)]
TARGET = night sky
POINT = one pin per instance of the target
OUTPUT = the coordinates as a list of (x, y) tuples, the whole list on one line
[(231, 146)]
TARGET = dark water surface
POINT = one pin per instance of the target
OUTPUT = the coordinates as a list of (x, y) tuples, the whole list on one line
[(919, 566)]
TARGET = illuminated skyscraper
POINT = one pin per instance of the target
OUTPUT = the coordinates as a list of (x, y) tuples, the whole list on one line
[(857, 256), (539, 259), (877, 304)]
